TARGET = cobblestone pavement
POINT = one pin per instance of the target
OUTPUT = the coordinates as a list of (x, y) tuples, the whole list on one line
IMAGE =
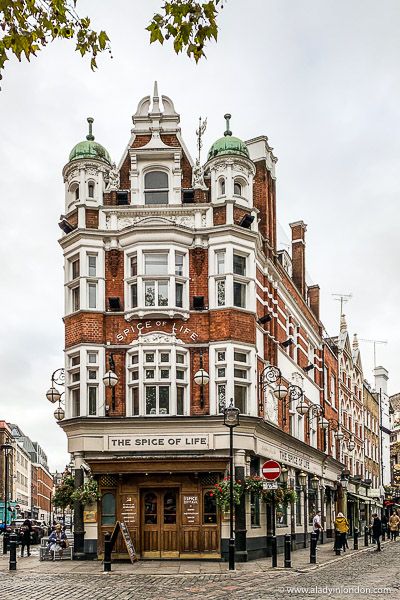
[(353, 576)]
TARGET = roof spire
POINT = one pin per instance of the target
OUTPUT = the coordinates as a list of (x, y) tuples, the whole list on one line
[(355, 342), (156, 99), (343, 324), (227, 118), (90, 135)]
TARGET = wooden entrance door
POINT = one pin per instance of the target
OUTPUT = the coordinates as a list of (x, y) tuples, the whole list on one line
[(160, 523)]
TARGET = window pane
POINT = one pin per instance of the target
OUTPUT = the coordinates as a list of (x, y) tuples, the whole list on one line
[(156, 264), (150, 509), (92, 357), (255, 509), (164, 373), (239, 264), (156, 180), (108, 509), (221, 393), (240, 357), (134, 375), (149, 293), (135, 401), (164, 400), (91, 190), (240, 373), (75, 360), (210, 508), (221, 356), (237, 189), (178, 264), (75, 377), (76, 403), (149, 357), (180, 374), (151, 400), (180, 358), (134, 296), (134, 359), (180, 395), (179, 294), (156, 197), (133, 266), (220, 262), (239, 294), (75, 299), (221, 292), (75, 268), (222, 187), (221, 372), (164, 357), (92, 266), (163, 293), (149, 373), (92, 400), (92, 294), (92, 374), (170, 508), (240, 398)]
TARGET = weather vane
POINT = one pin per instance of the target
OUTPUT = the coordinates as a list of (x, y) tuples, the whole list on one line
[(200, 132)]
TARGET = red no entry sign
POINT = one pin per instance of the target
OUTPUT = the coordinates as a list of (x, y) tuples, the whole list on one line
[(271, 470)]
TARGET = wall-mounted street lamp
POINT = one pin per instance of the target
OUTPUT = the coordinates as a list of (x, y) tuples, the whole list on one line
[(344, 479), (272, 375), (53, 395), (284, 475), (110, 380), (231, 420), (201, 378)]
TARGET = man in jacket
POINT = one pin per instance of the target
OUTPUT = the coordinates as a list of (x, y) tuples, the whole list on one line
[(377, 531), (26, 531), (317, 527)]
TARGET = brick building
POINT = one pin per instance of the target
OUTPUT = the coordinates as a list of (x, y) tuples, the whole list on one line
[(172, 267), (6, 438)]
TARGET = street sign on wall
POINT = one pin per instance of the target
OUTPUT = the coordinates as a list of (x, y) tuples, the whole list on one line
[(271, 470), (270, 485)]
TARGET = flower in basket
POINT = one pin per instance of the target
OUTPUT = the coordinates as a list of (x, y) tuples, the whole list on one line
[(253, 484), (289, 496), (88, 493), (221, 492), (270, 495)]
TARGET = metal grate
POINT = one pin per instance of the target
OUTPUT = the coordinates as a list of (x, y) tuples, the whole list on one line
[(209, 478), (108, 481)]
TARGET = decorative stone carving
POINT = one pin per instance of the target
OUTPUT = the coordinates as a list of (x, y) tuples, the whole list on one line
[(198, 176), (113, 179), (159, 338)]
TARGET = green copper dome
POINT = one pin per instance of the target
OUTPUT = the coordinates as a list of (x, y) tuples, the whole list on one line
[(89, 148), (228, 144)]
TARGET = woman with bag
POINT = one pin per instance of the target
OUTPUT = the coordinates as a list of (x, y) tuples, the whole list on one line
[(57, 542), (341, 528)]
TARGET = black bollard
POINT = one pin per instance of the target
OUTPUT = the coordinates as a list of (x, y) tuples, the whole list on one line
[(337, 543), (355, 539), (274, 551), (313, 549), (107, 552), (366, 536), (288, 549), (383, 533), (13, 552)]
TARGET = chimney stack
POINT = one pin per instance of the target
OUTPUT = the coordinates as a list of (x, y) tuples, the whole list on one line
[(298, 255), (313, 300)]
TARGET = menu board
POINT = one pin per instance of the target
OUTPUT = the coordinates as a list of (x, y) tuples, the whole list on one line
[(128, 542), (129, 510), (190, 513)]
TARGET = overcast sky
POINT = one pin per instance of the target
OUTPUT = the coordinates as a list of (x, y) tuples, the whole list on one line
[(319, 78)]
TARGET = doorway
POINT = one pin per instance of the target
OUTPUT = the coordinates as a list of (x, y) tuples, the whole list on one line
[(160, 519)]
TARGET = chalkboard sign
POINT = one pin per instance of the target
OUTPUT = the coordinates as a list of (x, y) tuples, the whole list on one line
[(128, 542)]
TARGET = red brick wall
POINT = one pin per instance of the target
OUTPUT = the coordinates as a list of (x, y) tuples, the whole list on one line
[(198, 273), (84, 328), (219, 215), (92, 218), (114, 270)]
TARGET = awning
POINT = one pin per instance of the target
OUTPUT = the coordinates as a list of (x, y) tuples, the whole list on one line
[(352, 497)]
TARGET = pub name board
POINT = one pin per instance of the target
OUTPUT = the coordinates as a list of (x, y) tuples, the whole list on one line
[(181, 441)]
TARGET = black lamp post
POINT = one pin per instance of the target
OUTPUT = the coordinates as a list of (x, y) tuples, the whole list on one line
[(201, 378), (7, 449), (231, 420), (110, 380)]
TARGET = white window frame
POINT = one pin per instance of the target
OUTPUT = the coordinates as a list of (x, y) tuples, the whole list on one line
[(82, 385)]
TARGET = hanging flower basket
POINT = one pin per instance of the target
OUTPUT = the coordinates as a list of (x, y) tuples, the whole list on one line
[(88, 493), (253, 485), (221, 491), (280, 495), (290, 496)]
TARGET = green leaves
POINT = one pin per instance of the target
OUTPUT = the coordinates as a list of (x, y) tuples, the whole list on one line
[(27, 26), (191, 24)]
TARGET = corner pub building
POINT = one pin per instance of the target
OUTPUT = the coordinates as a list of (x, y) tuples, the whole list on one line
[(171, 267)]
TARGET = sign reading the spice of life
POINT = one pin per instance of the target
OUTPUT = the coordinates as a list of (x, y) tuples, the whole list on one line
[(128, 542), (271, 470), (181, 441)]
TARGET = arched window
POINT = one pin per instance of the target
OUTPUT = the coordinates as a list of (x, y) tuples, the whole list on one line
[(222, 187), (156, 187), (108, 509), (237, 188), (77, 193), (210, 508), (91, 190)]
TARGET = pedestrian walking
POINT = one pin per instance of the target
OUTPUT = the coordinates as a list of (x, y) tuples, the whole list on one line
[(57, 542), (317, 527), (341, 529), (394, 521), (25, 533), (377, 531)]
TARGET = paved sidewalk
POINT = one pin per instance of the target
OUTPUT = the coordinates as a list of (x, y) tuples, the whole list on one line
[(300, 563)]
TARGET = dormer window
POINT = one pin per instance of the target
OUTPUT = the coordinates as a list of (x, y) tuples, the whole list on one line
[(156, 187), (91, 190)]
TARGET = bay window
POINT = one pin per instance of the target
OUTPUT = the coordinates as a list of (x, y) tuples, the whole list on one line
[(230, 278)]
